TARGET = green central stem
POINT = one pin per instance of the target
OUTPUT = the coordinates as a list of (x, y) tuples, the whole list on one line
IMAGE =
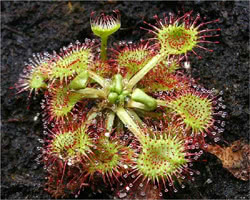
[(129, 122), (150, 65), (104, 48)]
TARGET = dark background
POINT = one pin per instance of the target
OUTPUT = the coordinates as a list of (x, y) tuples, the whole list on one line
[(31, 27)]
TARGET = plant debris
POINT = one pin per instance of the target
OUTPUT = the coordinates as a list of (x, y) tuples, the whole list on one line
[(235, 158)]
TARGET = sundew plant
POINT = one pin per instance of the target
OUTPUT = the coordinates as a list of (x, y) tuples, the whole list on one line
[(128, 113)]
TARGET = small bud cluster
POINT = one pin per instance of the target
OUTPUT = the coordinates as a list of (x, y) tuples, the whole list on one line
[(132, 116)]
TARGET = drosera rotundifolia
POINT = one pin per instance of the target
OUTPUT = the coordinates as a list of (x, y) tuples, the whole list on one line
[(128, 113)]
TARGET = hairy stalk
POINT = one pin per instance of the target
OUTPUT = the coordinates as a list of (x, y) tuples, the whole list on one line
[(137, 77)]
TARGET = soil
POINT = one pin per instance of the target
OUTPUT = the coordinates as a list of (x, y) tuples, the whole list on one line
[(31, 27)]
